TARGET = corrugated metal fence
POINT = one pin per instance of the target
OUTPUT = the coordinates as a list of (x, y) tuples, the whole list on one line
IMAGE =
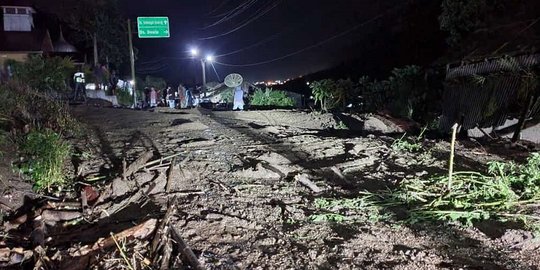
[(482, 93)]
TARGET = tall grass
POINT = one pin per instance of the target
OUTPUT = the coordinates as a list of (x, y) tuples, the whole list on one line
[(46, 154)]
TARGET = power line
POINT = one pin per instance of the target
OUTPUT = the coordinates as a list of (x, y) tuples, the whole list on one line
[(272, 37), (229, 17), (314, 45), (268, 39), (223, 3), (264, 12)]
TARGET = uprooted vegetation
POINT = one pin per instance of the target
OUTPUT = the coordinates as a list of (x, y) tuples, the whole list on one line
[(507, 192)]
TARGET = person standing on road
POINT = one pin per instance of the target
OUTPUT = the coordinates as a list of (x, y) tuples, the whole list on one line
[(153, 97), (171, 97), (78, 78), (189, 98), (238, 101)]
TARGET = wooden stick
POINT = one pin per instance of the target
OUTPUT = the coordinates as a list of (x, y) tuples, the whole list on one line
[(160, 231), (140, 231), (137, 164), (304, 180), (170, 176), (167, 251), (451, 163), (185, 250), (161, 160)]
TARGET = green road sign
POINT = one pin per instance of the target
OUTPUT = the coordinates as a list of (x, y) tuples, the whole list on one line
[(153, 27)]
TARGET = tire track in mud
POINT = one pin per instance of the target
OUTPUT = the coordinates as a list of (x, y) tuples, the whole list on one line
[(244, 223), (450, 243)]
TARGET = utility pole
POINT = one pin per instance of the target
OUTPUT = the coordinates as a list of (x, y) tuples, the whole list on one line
[(203, 64), (96, 57), (132, 58)]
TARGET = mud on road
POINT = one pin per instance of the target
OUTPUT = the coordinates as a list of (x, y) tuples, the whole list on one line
[(241, 205)]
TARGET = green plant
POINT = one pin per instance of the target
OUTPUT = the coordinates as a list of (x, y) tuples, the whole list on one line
[(270, 97), (45, 74), (332, 94), (346, 210), (508, 192), (228, 95), (124, 97), (409, 145), (341, 125), (46, 154), (407, 91)]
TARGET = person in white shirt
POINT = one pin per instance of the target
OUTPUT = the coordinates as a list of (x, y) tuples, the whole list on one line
[(78, 78)]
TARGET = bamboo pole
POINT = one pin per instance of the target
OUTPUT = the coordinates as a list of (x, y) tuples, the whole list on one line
[(451, 162)]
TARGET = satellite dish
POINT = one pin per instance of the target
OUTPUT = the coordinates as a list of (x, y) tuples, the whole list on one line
[(233, 80)]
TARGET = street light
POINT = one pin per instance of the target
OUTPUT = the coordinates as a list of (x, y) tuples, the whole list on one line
[(194, 52)]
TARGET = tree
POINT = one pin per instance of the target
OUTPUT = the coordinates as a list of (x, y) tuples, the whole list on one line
[(460, 17), (156, 82), (93, 20)]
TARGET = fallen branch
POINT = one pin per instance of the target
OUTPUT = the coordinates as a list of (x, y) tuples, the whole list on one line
[(56, 216), (159, 161), (137, 164), (170, 174), (185, 250), (160, 232), (141, 231), (304, 180)]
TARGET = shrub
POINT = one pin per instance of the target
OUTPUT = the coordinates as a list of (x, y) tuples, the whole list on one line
[(46, 154), (124, 97), (23, 107), (407, 91), (271, 97), (45, 74), (332, 94), (228, 95)]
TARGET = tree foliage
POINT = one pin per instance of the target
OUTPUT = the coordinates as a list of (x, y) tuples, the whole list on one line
[(45, 74), (156, 82), (460, 17), (331, 94), (93, 18), (407, 91)]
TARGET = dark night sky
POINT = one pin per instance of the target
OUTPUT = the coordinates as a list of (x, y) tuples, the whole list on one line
[(289, 27)]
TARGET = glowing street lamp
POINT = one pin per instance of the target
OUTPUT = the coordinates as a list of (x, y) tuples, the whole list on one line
[(210, 58), (194, 52)]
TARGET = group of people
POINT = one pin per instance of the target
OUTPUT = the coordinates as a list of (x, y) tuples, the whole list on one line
[(181, 98)]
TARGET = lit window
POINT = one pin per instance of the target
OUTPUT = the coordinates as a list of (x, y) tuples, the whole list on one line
[(18, 19)]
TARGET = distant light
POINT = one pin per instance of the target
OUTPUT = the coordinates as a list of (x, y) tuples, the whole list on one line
[(307, 83), (210, 58), (194, 52), (91, 86), (132, 82)]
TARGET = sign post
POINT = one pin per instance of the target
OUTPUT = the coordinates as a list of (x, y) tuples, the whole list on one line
[(153, 27), (132, 62)]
